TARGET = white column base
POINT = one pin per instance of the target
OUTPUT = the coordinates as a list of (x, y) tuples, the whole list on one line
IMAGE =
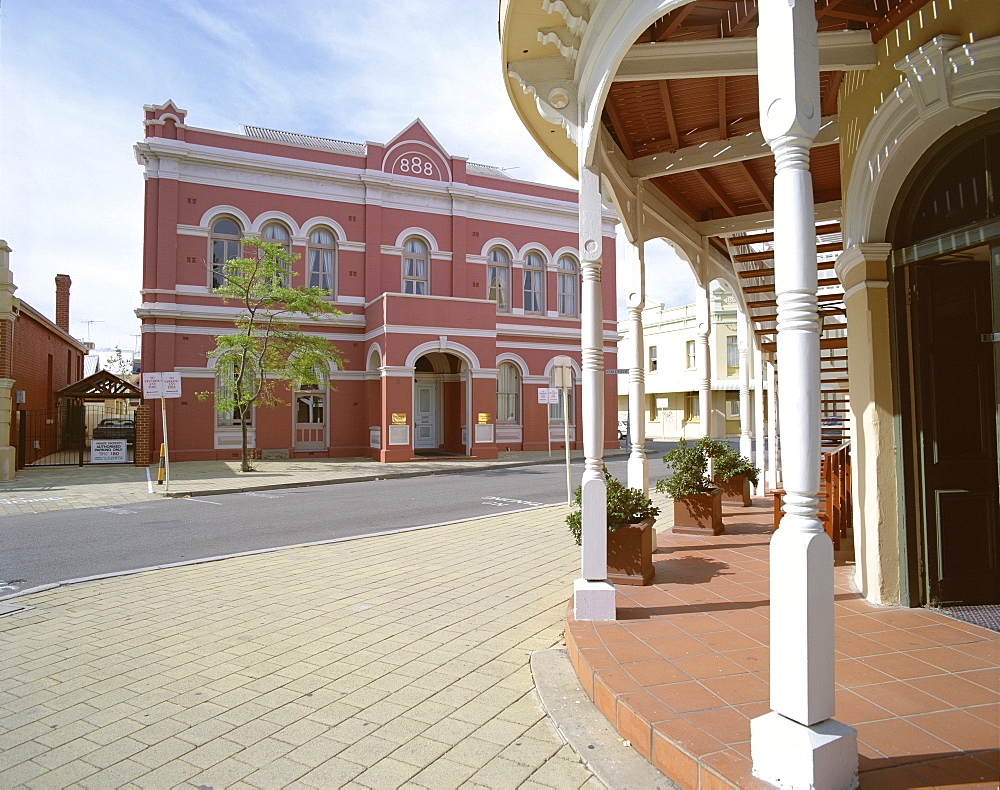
[(788, 754), (593, 600), (637, 472)]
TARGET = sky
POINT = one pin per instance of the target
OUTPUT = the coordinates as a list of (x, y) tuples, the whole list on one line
[(75, 74)]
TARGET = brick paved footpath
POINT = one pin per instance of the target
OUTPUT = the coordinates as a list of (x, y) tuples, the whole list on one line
[(392, 661)]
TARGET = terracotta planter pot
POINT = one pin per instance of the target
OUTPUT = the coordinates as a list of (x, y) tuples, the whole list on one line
[(735, 489), (699, 514), (630, 556)]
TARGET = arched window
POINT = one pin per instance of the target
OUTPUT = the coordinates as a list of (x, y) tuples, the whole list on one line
[(567, 287), (498, 275), (233, 376), (556, 409), (322, 256), (508, 393), (534, 281), (416, 265), (225, 244), (276, 233)]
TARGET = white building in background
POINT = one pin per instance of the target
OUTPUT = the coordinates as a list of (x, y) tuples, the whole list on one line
[(672, 376)]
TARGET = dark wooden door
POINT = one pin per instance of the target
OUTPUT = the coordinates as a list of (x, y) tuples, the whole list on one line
[(956, 430)]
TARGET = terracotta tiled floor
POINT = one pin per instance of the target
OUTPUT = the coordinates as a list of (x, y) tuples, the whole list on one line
[(685, 668)]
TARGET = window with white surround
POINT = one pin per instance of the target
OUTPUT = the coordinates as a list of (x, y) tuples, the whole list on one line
[(692, 360), (225, 245), (416, 267), (732, 355), (498, 277), (534, 280), (556, 409), (652, 359), (322, 258), (732, 405), (508, 393), (692, 407), (276, 233), (567, 286), (227, 371)]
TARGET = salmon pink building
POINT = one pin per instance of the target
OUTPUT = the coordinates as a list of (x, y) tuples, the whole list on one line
[(458, 287)]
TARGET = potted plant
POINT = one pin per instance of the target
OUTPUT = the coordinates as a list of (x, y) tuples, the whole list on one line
[(732, 472), (697, 501), (630, 518)]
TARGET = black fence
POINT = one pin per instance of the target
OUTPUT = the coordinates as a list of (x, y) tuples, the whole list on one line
[(64, 435)]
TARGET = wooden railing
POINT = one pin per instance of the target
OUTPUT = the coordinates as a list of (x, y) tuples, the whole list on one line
[(834, 494)]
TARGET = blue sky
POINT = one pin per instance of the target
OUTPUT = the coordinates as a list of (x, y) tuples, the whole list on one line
[(75, 74)]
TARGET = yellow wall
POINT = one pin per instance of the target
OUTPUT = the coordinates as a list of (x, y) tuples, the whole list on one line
[(862, 92)]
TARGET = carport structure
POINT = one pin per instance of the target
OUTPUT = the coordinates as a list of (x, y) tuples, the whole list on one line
[(823, 158)]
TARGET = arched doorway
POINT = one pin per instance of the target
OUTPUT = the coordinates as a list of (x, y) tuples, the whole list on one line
[(439, 397), (946, 287)]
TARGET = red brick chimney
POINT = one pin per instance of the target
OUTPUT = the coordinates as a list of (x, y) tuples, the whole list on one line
[(63, 282)]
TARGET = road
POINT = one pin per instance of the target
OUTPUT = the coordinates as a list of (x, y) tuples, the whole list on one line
[(43, 548)]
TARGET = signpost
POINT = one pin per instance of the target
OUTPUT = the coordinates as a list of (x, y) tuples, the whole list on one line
[(548, 395), (562, 370), (162, 386)]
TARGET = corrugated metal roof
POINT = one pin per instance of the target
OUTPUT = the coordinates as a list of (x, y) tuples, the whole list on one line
[(275, 136)]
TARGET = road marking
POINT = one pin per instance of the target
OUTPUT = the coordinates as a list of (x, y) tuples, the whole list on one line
[(117, 510), (149, 481), (497, 501), (264, 496), (199, 499), (27, 501)]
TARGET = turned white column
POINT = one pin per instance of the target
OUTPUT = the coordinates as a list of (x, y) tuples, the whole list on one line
[(758, 416), (772, 425), (638, 465), (798, 744), (703, 316), (742, 334), (593, 597)]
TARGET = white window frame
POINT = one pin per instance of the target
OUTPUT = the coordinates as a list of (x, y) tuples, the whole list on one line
[(692, 355), (568, 287), (223, 383), (692, 407), (317, 250), (508, 398), (498, 278), (653, 361), (415, 283), (533, 292), (232, 248)]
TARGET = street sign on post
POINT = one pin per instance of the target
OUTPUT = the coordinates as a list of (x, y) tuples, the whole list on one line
[(162, 386)]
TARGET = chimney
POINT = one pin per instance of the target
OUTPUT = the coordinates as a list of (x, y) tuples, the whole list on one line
[(63, 283)]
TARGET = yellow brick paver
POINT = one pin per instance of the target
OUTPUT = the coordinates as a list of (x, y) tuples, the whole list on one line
[(383, 662)]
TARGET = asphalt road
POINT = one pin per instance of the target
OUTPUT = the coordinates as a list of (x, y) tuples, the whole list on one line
[(43, 548)]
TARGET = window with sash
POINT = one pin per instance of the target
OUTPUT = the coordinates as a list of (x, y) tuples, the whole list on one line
[(498, 278), (567, 281), (322, 258), (226, 244), (416, 267), (534, 279), (508, 393)]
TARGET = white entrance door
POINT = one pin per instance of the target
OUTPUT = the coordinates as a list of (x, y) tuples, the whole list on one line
[(425, 415), (310, 421)]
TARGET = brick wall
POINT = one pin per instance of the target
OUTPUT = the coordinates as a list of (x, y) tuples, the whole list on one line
[(143, 436)]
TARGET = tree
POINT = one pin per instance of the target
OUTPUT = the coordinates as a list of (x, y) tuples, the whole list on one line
[(268, 345), (118, 365)]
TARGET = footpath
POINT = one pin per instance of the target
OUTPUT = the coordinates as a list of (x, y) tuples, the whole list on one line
[(391, 661)]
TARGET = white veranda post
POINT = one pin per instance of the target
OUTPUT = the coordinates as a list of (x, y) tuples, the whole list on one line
[(758, 415), (742, 342), (798, 744), (638, 465), (774, 474), (703, 316), (593, 597)]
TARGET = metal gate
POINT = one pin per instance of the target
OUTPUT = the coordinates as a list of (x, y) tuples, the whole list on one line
[(62, 435)]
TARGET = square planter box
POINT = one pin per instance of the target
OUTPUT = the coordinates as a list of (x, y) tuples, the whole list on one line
[(699, 514), (736, 489), (630, 555)]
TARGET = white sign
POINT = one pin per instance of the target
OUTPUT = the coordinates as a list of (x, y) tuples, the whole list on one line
[(161, 385), (108, 451), (548, 395)]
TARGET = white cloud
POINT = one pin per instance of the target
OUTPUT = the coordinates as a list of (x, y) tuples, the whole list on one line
[(74, 77)]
